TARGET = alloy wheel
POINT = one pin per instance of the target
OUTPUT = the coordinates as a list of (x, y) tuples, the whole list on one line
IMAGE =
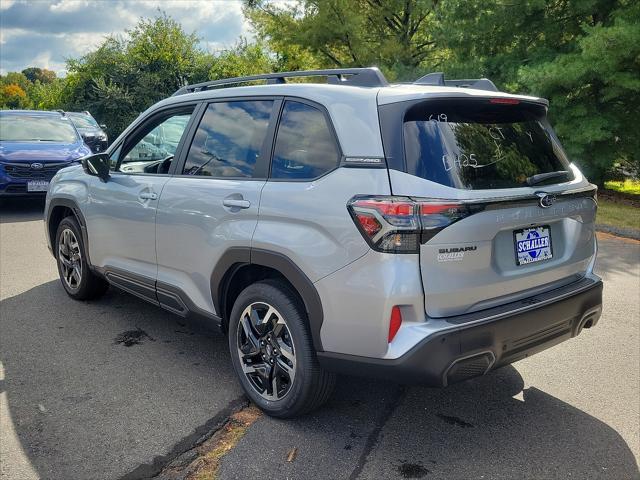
[(70, 259), (266, 351)]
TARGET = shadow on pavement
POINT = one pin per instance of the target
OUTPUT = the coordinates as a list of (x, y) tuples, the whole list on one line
[(21, 209), (482, 429), (477, 429), (82, 404)]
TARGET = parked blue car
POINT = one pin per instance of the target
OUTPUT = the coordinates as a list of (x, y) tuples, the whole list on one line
[(34, 145)]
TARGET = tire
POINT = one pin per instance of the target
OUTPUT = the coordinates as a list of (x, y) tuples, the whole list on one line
[(286, 362), (76, 276)]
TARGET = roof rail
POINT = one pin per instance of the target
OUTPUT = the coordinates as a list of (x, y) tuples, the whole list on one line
[(438, 80), (359, 77)]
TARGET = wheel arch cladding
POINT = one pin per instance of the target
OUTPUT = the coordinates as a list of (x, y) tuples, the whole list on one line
[(237, 259), (60, 208)]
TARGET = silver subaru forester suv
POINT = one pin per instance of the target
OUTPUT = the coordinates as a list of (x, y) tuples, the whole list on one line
[(426, 232)]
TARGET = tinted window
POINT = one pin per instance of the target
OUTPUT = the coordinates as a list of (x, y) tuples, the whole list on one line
[(37, 128), (229, 139), (154, 152), (82, 121), (305, 147), (480, 145)]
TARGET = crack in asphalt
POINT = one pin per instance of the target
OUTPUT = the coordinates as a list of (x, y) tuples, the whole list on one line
[(199, 436), (372, 438)]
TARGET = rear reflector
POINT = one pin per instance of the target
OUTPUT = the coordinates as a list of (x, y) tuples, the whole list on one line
[(368, 223), (394, 322)]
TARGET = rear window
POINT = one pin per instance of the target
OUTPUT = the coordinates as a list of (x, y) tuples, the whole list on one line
[(305, 147), (82, 121), (476, 144)]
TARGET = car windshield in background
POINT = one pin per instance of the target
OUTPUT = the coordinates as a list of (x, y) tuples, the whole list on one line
[(83, 121), (16, 128), (476, 144)]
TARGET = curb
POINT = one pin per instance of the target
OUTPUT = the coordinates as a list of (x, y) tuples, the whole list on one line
[(620, 232)]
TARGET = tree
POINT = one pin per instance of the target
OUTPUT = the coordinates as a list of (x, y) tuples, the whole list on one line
[(395, 35), (16, 78), (126, 75), (595, 94), (241, 60), (581, 55), (42, 75), (13, 96), (46, 96)]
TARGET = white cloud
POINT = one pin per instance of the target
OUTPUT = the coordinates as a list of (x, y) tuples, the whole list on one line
[(4, 4), (49, 32), (68, 5)]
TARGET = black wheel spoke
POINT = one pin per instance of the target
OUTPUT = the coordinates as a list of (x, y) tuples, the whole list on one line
[(252, 345), (266, 351), (70, 259), (274, 384)]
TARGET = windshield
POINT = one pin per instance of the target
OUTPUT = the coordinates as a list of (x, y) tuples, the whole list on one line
[(83, 121), (17, 128), (481, 145)]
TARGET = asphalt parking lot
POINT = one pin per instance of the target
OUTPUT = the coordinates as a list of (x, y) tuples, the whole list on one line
[(77, 403)]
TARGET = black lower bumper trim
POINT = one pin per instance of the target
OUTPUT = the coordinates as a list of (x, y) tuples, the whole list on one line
[(464, 351)]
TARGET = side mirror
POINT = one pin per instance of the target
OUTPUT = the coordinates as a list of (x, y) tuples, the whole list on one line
[(88, 137), (97, 165), (103, 126)]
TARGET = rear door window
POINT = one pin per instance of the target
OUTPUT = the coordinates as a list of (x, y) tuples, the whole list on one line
[(305, 145), (229, 139), (481, 145)]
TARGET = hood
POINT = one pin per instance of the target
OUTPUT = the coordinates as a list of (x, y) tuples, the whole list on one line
[(42, 152)]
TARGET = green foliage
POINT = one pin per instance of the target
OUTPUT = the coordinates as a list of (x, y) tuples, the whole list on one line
[(584, 55), (618, 214), (126, 75), (595, 93), (392, 34), (15, 78), (46, 96), (42, 75), (242, 60), (631, 187)]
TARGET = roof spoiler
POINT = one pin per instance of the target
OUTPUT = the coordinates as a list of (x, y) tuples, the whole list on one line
[(437, 79), (359, 77)]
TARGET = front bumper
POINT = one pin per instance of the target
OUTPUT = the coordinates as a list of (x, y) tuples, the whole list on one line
[(470, 345), (15, 183)]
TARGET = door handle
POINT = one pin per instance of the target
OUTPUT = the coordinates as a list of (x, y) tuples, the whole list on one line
[(148, 196), (236, 203)]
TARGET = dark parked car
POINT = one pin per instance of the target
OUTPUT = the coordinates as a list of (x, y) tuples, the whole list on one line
[(34, 145), (94, 135)]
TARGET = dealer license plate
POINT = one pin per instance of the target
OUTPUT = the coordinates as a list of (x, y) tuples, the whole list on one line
[(37, 186), (533, 244)]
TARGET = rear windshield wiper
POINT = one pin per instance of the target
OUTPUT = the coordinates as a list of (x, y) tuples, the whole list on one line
[(542, 177)]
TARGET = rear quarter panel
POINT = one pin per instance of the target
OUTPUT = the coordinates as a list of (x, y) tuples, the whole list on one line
[(309, 222)]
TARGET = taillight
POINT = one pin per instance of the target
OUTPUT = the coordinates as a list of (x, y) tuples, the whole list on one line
[(400, 224)]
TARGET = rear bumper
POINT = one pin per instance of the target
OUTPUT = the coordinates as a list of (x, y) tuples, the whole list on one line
[(469, 346)]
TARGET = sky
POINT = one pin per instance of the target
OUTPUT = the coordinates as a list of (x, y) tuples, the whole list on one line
[(43, 33)]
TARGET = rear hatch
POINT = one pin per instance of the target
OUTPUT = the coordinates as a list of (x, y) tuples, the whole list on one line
[(505, 216)]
